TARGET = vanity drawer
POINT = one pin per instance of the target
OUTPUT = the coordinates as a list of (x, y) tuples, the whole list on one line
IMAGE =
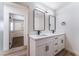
[(58, 36), (55, 39), (56, 50), (55, 44), (42, 41)]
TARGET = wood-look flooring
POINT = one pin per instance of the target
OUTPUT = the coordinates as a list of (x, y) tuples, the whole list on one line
[(22, 51), (19, 51), (65, 53)]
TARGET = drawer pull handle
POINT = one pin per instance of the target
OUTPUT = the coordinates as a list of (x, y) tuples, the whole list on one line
[(61, 41), (56, 43), (46, 48), (56, 50), (56, 38)]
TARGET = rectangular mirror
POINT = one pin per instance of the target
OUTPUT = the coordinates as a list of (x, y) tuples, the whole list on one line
[(16, 30), (38, 20), (52, 23)]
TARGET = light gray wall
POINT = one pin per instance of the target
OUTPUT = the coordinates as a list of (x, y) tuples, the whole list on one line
[(50, 12), (1, 26), (70, 14)]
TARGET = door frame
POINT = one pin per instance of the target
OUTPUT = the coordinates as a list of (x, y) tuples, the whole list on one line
[(13, 8)]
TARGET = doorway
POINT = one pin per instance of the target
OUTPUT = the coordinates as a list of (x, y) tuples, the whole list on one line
[(16, 30)]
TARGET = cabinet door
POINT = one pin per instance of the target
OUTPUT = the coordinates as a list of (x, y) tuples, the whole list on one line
[(44, 50), (49, 49), (40, 50)]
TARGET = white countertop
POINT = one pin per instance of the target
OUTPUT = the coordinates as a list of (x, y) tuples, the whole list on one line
[(35, 37)]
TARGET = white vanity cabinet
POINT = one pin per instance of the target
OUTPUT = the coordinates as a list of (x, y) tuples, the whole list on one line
[(40, 47), (59, 43), (47, 45)]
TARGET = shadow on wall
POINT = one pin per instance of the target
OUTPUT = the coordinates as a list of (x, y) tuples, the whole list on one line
[(68, 45)]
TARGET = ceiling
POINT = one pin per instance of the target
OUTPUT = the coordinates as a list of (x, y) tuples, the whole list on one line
[(56, 5), (51, 5)]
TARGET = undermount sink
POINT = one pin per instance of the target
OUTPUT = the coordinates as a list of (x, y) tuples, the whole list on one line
[(38, 36), (41, 35)]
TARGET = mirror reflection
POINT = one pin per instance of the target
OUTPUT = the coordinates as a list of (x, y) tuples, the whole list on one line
[(16, 27), (52, 23), (39, 20)]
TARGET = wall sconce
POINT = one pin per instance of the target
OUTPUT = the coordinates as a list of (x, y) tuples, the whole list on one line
[(63, 23)]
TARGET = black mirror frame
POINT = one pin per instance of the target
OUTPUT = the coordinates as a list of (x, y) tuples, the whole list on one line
[(54, 23), (34, 20)]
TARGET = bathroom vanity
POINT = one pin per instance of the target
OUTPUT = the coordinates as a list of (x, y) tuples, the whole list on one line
[(46, 45)]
